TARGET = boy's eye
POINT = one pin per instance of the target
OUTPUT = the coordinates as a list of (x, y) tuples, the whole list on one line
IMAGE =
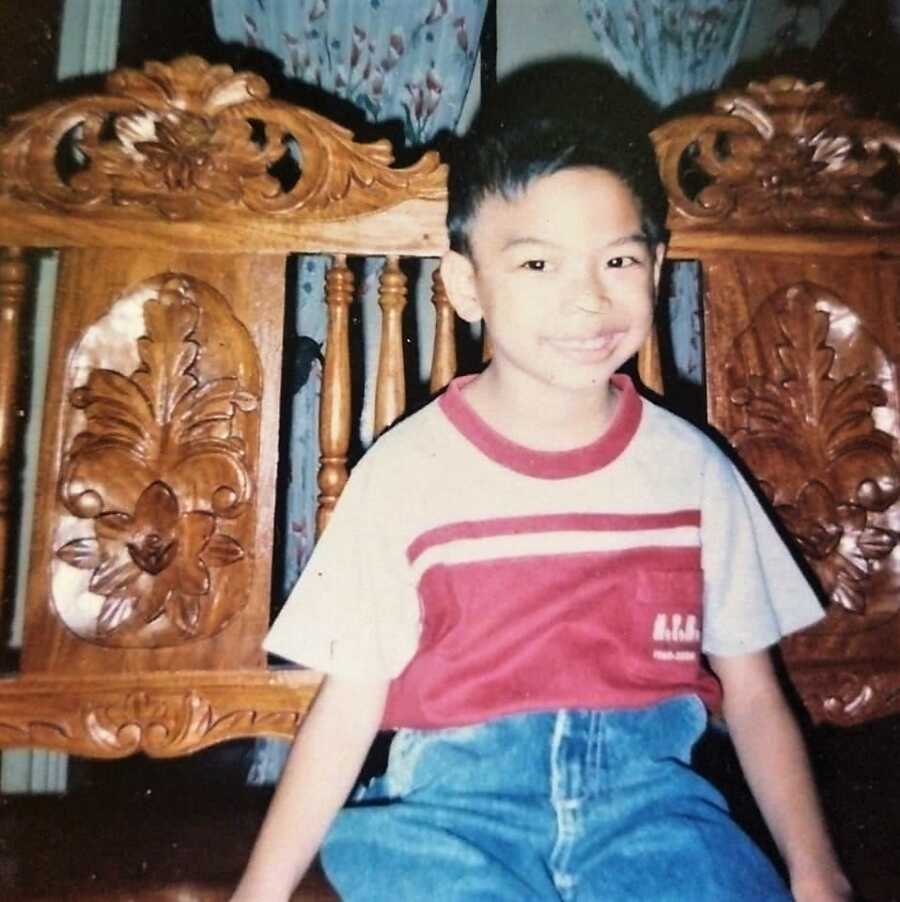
[(535, 265), (622, 262)]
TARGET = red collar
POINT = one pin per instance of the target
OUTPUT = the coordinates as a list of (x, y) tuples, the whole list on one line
[(547, 464)]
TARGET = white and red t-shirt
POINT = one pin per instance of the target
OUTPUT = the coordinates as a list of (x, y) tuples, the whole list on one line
[(486, 578)]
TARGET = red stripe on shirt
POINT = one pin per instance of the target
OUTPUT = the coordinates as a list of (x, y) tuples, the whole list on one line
[(571, 522)]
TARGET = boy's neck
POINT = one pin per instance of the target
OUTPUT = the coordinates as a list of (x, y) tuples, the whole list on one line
[(543, 418)]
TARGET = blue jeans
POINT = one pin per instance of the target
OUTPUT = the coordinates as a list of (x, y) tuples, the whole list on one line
[(570, 805)]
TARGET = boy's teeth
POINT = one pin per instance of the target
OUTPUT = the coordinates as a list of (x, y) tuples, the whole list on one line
[(585, 344)]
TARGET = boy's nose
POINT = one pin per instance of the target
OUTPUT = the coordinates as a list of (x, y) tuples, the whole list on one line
[(590, 295)]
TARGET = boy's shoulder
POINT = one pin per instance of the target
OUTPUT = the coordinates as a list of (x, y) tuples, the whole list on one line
[(678, 457), (407, 447), (413, 434), (672, 431)]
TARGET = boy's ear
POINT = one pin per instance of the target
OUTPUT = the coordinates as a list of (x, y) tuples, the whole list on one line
[(458, 276), (659, 254)]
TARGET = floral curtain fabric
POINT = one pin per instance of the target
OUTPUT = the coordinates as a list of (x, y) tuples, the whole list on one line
[(670, 48), (394, 59)]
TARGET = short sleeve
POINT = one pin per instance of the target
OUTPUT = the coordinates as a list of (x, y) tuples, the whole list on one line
[(354, 610), (754, 591)]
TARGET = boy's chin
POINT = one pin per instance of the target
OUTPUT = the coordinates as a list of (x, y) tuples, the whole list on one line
[(584, 383)]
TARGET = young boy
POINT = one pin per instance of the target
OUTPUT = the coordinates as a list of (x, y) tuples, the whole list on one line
[(527, 579)]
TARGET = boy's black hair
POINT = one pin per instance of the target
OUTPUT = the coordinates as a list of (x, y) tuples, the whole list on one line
[(520, 139)]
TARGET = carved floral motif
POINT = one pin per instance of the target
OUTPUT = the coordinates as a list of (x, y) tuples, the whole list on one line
[(182, 161), (811, 439), (188, 137), (159, 467), (164, 727), (153, 562), (779, 155)]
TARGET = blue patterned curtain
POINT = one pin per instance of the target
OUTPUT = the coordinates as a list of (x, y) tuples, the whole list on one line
[(671, 49), (403, 60), (394, 59)]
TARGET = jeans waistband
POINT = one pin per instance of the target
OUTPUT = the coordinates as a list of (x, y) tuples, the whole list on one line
[(574, 750)]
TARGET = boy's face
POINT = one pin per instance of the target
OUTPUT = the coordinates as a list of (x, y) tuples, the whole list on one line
[(564, 279)]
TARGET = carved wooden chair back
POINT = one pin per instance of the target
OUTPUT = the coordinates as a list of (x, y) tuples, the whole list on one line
[(790, 202), (149, 577)]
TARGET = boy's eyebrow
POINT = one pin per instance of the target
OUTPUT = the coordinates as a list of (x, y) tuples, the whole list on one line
[(634, 238), (526, 239)]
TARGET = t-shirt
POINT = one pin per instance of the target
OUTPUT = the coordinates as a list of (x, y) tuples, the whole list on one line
[(486, 578)]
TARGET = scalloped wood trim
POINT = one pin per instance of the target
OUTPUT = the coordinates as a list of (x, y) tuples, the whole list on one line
[(162, 715)]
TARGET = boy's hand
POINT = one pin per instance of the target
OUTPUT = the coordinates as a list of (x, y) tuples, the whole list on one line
[(829, 887), (255, 895)]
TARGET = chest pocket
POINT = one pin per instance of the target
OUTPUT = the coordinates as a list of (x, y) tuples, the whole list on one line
[(666, 626)]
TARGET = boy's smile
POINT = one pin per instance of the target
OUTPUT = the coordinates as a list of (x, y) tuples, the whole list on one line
[(564, 279)]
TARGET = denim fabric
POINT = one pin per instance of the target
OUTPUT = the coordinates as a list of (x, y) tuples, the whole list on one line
[(570, 805)]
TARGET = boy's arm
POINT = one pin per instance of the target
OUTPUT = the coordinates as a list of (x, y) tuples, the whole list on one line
[(774, 760), (323, 764)]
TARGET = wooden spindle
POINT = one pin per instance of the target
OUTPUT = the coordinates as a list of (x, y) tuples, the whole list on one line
[(334, 404), (390, 385), (443, 360), (13, 275), (649, 368)]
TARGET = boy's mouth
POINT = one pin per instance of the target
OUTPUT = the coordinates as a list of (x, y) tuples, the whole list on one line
[(594, 344)]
